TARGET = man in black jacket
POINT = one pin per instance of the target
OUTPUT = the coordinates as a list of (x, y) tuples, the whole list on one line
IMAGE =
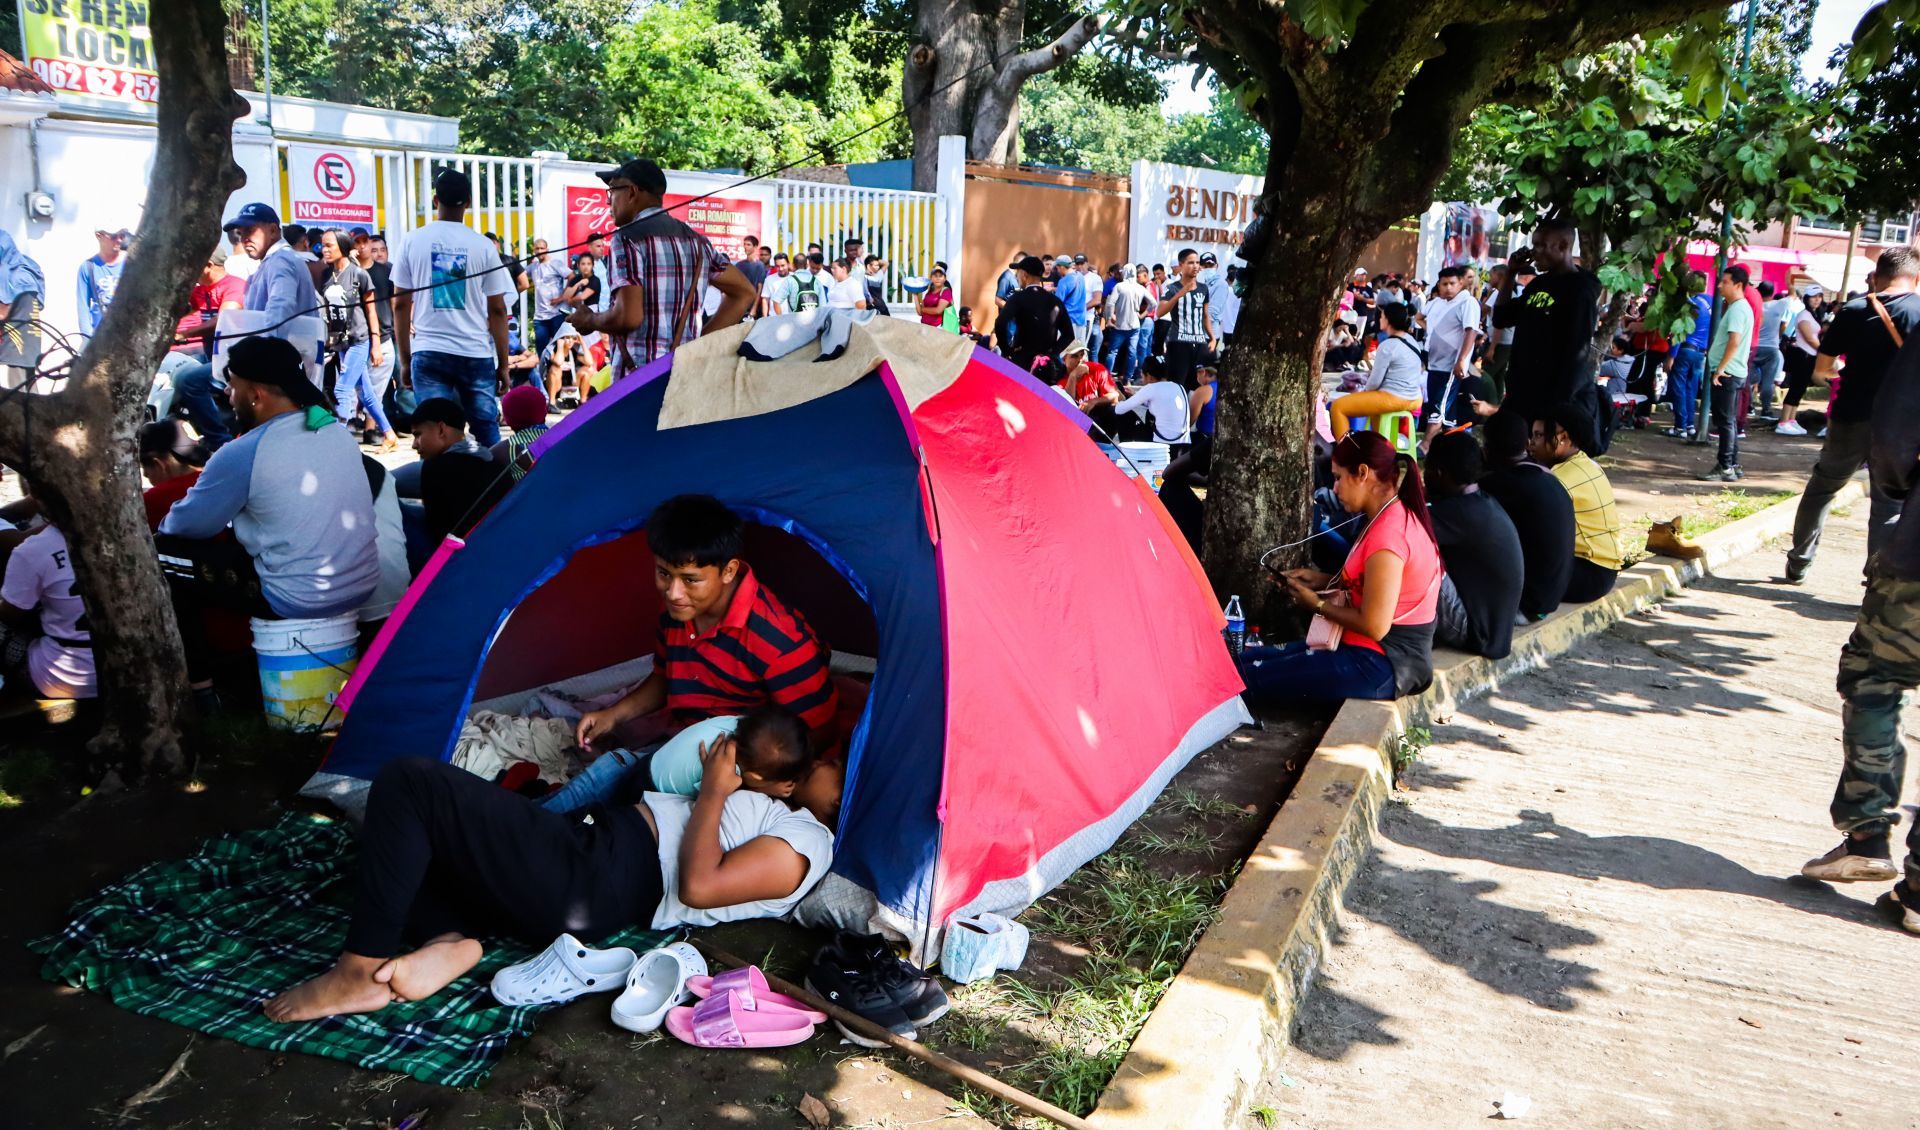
[(1033, 323), (1553, 321)]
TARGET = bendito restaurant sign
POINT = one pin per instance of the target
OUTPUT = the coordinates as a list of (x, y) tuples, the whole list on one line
[(95, 48), (1176, 206)]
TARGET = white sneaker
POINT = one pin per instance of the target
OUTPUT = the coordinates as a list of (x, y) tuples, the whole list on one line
[(1821, 434), (1842, 866), (1789, 428)]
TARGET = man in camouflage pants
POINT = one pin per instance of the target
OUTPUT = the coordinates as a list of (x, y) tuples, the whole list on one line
[(1881, 663)]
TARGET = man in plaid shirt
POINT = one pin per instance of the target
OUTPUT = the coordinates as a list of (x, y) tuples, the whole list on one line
[(658, 270)]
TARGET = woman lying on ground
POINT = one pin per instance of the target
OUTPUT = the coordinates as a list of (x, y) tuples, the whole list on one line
[(448, 858), (1391, 577)]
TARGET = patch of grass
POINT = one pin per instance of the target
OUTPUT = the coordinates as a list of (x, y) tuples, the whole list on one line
[(1408, 744), (1188, 803), (1265, 1115), (987, 1108), (1723, 506)]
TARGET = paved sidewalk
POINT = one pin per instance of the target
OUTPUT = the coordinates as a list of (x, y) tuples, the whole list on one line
[(1589, 898)]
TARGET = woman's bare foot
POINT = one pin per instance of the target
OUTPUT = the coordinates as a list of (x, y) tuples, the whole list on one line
[(418, 975), (346, 988)]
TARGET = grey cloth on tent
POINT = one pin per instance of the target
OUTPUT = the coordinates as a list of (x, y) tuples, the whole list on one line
[(775, 337)]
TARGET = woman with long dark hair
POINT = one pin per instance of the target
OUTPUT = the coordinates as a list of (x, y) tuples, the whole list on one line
[(1378, 611)]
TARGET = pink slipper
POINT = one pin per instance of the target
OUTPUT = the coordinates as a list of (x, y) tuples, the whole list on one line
[(724, 1022), (750, 985)]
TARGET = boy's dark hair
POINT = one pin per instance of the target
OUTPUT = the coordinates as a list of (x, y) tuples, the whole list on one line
[(1457, 456), (1454, 272), (1623, 343), (1739, 274), (695, 529), (1398, 315), (1506, 436), (1573, 419), (1765, 288), (774, 743), (440, 410)]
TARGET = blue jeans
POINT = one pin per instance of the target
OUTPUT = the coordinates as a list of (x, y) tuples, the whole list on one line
[(1295, 673), (544, 331), (1142, 344), (1764, 371), (1689, 365), (600, 782), (468, 382), (193, 394), (355, 381), (1121, 355)]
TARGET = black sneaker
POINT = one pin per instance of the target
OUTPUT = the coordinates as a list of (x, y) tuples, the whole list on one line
[(917, 992), (857, 989)]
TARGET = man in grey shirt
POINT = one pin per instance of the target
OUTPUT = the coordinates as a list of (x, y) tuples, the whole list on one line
[(296, 494), (282, 287)]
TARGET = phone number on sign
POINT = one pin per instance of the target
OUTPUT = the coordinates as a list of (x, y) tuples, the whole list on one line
[(105, 82)]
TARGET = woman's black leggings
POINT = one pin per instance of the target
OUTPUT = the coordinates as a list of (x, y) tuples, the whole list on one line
[(444, 851), (1798, 365)]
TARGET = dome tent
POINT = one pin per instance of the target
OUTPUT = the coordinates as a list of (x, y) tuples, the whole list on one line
[(1046, 654)]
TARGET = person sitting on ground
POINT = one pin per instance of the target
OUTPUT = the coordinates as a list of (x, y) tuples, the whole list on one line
[(1617, 366), (171, 456), (1398, 380), (1480, 594), (524, 411), (447, 858), (1087, 381), (459, 481), (44, 638), (1596, 541), (1392, 577), (294, 490), (726, 644), (1539, 509), (1191, 468), (1158, 412)]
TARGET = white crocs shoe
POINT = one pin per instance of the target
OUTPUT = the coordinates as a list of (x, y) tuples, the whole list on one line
[(657, 982), (564, 970)]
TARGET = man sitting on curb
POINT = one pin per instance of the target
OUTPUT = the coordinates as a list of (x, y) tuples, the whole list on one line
[(294, 489), (1596, 534), (1539, 509), (1480, 594)]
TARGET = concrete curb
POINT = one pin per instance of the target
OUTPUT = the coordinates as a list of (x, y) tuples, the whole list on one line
[(1223, 1024)]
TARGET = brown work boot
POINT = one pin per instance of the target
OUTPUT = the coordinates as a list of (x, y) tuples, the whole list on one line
[(1666, 540)]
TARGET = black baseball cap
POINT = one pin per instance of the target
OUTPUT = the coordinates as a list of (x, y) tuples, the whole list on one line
[(640, 173), (440, 410), (1031, 265), (1078, 259), (250, 215), (451, 186), (1207, 259), (273, 361)]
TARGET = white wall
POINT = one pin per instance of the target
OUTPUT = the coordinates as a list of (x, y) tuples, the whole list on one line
[(97, 174), (1176, 206)]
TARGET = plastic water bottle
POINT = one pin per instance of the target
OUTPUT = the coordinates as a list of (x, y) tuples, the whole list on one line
[(1236, 626)]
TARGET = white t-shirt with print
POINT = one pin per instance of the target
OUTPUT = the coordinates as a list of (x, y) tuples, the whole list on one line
[(746, 817), (451, 318), (40, 576), (846, 292)]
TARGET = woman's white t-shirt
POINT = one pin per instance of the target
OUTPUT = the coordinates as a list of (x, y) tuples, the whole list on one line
[(746, 817), (847, 292), (1166, 402)]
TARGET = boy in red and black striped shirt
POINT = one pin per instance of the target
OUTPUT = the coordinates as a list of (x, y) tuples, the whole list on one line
[(726, 643)]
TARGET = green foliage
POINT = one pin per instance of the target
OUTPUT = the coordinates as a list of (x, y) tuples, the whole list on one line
[(1224, 137), (1064, 124), (1886, 103)]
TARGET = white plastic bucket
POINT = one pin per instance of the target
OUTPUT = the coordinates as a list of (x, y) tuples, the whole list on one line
[(303, 666), (1151, 458)]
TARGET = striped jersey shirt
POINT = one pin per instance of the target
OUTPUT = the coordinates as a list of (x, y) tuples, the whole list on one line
[(1596, 524), (761, 652), (1189, 313), (672, 265)]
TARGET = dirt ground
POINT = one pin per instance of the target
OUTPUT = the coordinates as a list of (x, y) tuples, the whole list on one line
[(1653, 475), (73, 1059), (1587, 900)]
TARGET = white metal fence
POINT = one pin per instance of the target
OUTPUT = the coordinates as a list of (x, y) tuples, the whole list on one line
[(904, 228)]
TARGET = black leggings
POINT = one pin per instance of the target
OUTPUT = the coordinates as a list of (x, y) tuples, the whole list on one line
[(1588, 582), (446, 852), (1798, 365)]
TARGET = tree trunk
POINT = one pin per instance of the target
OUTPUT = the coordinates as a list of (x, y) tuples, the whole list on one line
[(963, 77), (240, 60), (79, 445)]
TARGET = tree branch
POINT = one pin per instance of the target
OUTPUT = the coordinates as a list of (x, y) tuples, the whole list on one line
[(1025, 65)]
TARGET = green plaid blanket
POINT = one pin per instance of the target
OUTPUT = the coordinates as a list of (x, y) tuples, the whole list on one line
[(204, 941)]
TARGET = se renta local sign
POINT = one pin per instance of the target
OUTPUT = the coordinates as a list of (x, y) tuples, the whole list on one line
[(330, 184), (97, 49)]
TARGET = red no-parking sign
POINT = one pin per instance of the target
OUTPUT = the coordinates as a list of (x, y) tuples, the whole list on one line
[(330, 184)]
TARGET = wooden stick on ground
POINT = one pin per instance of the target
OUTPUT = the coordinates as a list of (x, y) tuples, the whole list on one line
[(1005, 1092)]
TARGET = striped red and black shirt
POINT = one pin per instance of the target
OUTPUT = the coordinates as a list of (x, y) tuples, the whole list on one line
[(762, 651)]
